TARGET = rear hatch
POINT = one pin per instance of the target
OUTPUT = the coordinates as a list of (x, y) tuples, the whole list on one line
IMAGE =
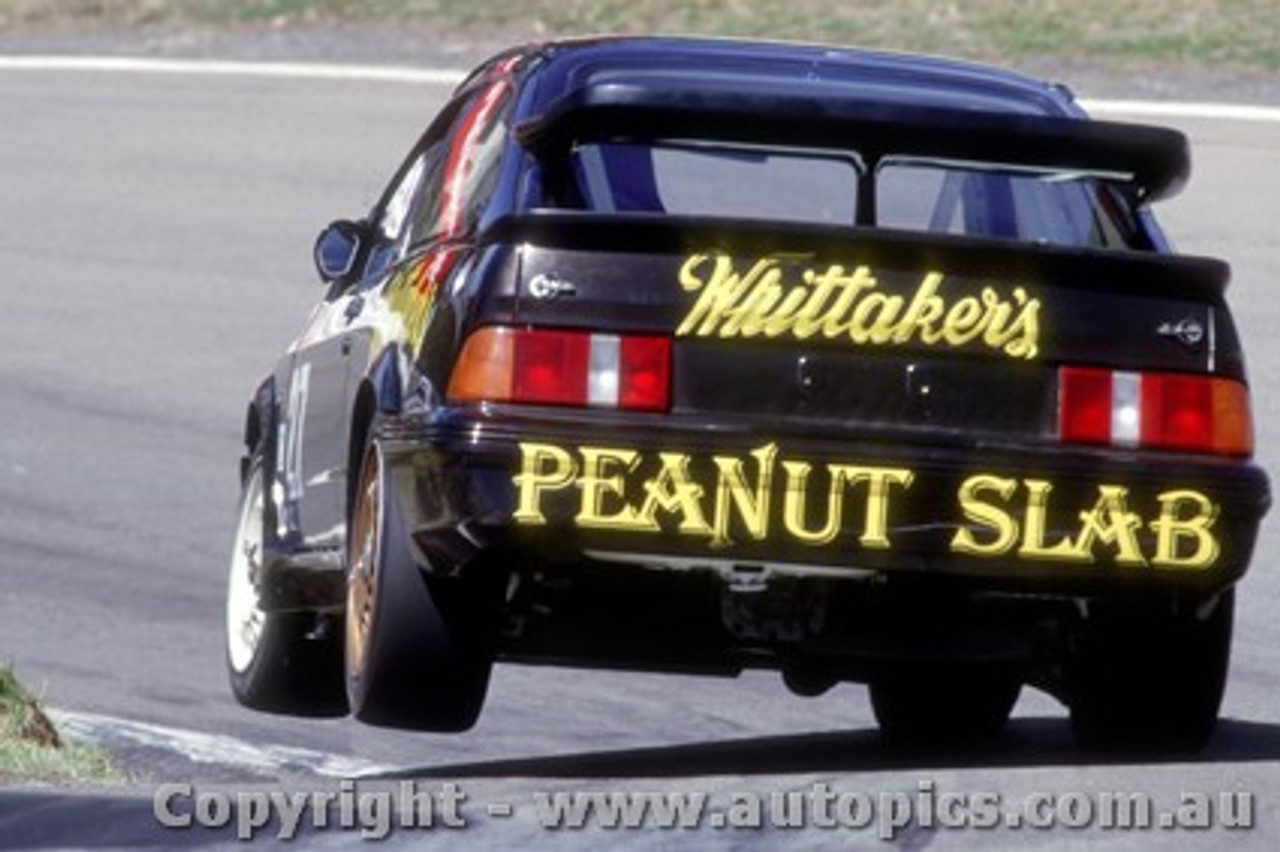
[(755, 325), (891, 334), (836, 263), (754, 394)]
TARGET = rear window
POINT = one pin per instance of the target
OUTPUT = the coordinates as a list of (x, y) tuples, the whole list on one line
[(691, 180), (837, 188), (959, 198)]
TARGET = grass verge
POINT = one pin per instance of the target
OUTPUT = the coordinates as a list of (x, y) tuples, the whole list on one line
[(31, 750), (1219, 34)]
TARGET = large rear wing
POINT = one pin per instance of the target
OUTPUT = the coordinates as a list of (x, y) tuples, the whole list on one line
[(1155, 161)]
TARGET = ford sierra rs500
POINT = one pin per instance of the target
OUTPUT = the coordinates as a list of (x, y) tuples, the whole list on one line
[(697, 356)]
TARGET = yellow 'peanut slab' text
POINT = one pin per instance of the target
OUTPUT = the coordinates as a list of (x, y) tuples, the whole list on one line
[(759, 497)]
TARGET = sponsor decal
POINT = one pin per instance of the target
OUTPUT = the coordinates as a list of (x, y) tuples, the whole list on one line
[(551, 286), (1189, 332), (762, 496), (411, 292), (1183, 528), (783, 296)]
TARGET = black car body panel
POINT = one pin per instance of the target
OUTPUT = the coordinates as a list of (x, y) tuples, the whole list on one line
[(862, 419)]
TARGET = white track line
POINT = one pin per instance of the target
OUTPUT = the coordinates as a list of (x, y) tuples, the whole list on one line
[(1184, 109), (222, 68), (451, 77), (215, 749)]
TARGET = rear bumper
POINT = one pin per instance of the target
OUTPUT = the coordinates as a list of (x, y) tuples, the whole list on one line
[(602, 488)]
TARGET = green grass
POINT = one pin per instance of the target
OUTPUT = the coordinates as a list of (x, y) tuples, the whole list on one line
[(32, 750), (1221, 34)]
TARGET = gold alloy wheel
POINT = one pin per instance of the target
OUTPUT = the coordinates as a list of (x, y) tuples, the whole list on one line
[(362, 578)]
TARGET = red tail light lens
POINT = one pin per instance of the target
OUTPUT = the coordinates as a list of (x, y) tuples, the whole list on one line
[(569, 368), (644, 373), (1177, 412), (550, 368), (1167, 411), (1084, 405)]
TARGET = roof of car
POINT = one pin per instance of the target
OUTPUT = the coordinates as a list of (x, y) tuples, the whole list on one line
[(813, 95), (803, 69)]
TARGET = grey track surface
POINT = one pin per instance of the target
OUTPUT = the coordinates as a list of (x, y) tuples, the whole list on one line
[(155, 256), (420, 44)]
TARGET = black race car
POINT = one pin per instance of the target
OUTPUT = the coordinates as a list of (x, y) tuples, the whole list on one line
[(704, 355)]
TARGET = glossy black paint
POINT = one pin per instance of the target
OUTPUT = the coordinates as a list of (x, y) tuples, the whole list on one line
[(1158, 159), (375, 360), (1104, 305)]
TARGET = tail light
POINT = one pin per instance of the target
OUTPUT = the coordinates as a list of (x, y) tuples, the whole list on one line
[(570, 368), (1167, 411)]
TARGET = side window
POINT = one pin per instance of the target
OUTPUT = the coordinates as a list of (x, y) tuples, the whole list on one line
[(390, 226), (396, 213), (443, 190), (464, 175), (392, 219)]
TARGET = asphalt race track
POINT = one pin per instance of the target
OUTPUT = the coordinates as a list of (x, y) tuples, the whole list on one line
[(155, 260)]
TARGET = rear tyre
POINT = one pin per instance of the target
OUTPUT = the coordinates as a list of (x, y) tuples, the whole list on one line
[(417, 650), (277, 662), (1146, 680), (938, 703)]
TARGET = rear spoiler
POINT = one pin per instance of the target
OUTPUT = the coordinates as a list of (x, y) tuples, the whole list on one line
[(1156, 161)]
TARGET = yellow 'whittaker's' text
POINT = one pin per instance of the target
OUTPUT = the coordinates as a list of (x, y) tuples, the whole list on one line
[(778, 297)]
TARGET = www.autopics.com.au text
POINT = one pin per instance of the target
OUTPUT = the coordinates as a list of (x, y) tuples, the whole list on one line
[(376, 810)]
